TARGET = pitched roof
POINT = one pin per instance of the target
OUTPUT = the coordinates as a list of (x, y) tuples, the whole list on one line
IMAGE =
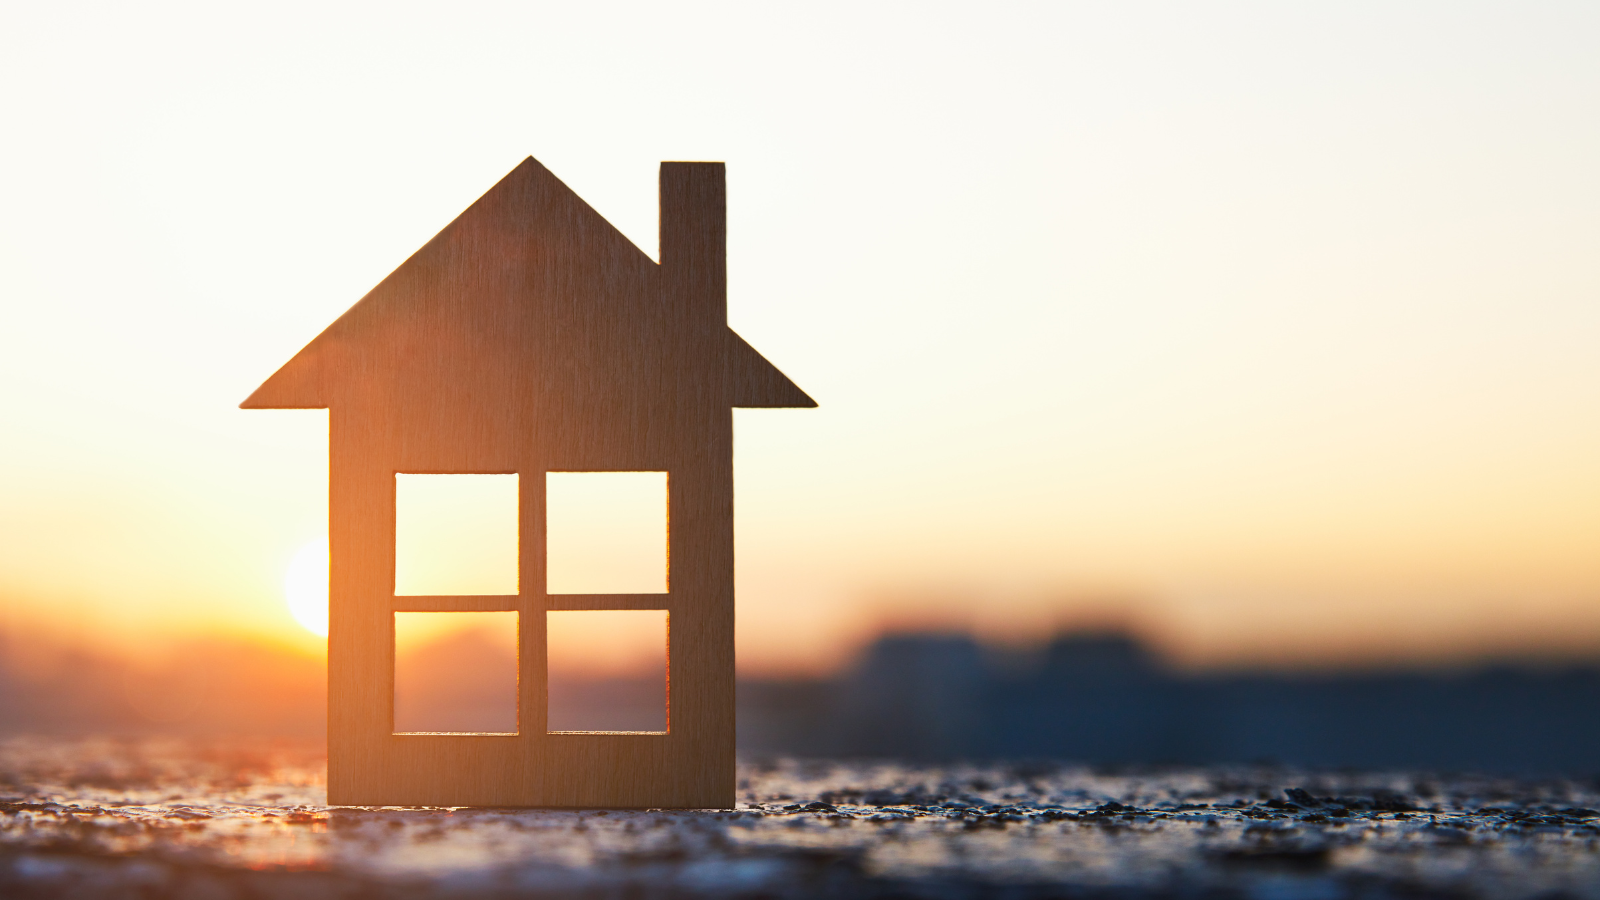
[(531, 284)]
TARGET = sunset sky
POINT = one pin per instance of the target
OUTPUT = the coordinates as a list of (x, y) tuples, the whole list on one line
[(1270, 329)]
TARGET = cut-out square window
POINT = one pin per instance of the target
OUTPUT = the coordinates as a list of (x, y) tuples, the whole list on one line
[(607, 670), (455, 672), (606, 532), (455, 534)]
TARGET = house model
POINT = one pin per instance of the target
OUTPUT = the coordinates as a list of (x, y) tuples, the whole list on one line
[(529, 336)]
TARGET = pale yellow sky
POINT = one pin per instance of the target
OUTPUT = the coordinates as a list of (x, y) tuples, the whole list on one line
[(1269, 327)]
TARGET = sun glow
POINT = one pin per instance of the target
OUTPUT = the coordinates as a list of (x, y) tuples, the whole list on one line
[(306, 586)]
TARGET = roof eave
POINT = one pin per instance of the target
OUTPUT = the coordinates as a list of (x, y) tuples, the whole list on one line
[(298, 385), (758, 384)]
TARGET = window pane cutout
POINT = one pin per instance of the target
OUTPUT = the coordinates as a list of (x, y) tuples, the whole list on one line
[(455, 672), (455, 535), (607, 671), (606, 532)]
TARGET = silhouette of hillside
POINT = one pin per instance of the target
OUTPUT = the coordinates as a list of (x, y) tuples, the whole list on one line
[(210, 687)]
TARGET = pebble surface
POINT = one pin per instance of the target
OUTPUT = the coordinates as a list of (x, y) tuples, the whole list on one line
[(115, 819)]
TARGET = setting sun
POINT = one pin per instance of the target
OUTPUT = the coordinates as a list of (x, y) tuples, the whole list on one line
[(306, 586)]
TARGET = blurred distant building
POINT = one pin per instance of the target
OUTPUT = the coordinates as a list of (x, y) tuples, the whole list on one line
[(1105, 699)]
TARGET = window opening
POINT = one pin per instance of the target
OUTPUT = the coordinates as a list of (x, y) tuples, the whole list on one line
[(607, 670), (455, 672), (606, 532), (455, 535)]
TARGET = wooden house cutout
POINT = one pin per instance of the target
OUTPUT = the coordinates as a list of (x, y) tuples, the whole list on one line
[(529, 336)]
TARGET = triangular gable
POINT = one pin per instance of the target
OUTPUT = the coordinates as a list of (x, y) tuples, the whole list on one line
[(529, 202)]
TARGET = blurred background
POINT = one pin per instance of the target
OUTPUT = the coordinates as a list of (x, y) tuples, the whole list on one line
[(1195, 383)]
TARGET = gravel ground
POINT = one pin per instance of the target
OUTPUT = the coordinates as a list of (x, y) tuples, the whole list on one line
[(144, 819)]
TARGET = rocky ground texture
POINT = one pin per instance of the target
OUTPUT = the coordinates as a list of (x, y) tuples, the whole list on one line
[(153, 820)]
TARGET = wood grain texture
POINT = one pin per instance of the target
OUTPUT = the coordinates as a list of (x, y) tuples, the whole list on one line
[(530, 336)]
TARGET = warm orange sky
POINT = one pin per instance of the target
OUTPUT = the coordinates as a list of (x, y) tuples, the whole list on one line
[(1269, 327)]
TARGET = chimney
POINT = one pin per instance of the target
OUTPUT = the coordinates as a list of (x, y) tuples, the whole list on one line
[(694, 242)]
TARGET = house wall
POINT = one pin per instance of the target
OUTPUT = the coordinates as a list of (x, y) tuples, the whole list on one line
[(690, 765)]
